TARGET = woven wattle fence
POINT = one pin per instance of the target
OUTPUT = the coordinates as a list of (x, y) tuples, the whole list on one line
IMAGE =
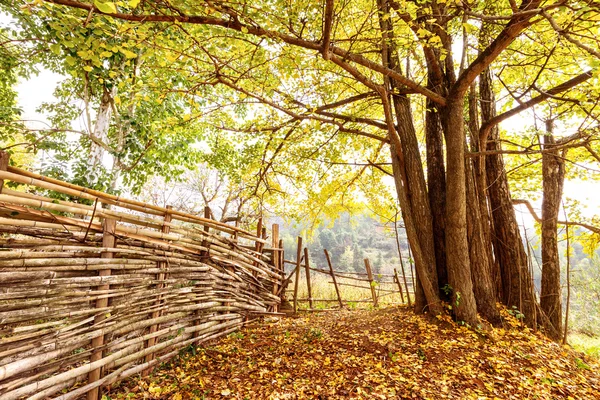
[(98, 288)]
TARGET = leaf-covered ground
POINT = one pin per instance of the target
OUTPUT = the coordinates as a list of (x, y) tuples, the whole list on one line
[(384, 354)]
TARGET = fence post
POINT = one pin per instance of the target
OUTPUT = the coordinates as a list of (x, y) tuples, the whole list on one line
[(206, 229), (298, 263), (399, 285), (404, 275), (258, 245), (274, 245), (337, 289), (160, 277), (307, 269), (4, 158), (108, 240), (371, 285)]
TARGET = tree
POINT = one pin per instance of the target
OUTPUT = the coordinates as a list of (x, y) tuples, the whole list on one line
[(321, 84)]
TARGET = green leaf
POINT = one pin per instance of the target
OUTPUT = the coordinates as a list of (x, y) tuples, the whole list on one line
[(127, 53), (55, 48), (108, 7), (133, 3)]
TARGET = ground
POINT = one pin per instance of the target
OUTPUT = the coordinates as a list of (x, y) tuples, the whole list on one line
[(382, 354)]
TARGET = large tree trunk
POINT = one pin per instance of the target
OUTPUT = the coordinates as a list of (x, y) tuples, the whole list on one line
[(553, 174), (480, 245), (481, 264), (457, 248), (436, 188), (409, 177), (517, 285)]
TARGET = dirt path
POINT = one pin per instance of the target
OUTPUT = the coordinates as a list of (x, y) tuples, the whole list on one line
[(385, 354)]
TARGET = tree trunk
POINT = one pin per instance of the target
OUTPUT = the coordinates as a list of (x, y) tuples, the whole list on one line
[(409, 177), (426, 290), (436, 188), (517, 285), (101, 135), (553, 174), (457, 248), (481, 264)]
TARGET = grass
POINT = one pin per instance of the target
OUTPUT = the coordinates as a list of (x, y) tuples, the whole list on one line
[(586, 344)]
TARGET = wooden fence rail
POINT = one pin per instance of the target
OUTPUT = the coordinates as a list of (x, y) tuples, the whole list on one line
[(95, 288)]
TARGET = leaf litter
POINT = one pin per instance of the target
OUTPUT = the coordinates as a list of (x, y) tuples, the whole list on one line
[(378, 354)]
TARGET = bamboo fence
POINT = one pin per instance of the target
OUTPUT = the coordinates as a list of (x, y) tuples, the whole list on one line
[(97, 288), (378, 285)]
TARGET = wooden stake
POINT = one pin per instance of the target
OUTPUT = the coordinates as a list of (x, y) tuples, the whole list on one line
[(276, 257), (337, 289), (402, 260), (258, 245), (399, 285), (298, 263), (307, 269), (207, 214), (4, 158), (161, 277), (371, 285), (108, 240)]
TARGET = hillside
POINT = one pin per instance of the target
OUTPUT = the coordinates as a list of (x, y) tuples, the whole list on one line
[(388, 353)]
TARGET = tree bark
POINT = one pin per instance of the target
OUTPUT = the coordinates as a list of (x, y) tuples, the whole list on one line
[(457, 254), (553, 174), (481, 264), (517, 285), (436, 188), (409, 177)]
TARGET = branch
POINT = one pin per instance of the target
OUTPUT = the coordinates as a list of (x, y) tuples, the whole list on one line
[(327, 28), (567, 36), (527, 204), (487, 126), (235, 24), (517, 24)]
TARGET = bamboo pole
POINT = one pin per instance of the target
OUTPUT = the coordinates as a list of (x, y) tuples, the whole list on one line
[(30, 178), (276, 258), (161, 277), (258, 245), (297, 278), (337, 289), (371, 282), (108, 240), (399, 285), (307, 271)]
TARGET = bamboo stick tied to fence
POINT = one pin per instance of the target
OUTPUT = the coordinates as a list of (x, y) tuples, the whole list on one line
[(108, 240), (308, 284), (371, 282), (297, 278), (160, 278), (276, 257), (335, 284), (397, 279)]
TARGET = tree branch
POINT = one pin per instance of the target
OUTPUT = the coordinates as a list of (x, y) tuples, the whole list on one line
[(327, 28), (235, 24), (527, 204)]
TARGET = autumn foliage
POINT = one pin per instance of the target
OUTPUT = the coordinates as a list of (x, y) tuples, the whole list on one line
[(385, 354)]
